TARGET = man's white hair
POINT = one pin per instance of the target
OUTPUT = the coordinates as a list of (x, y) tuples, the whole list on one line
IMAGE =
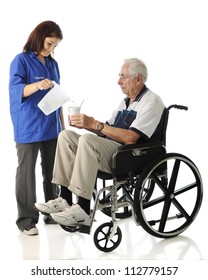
[(136, 67)]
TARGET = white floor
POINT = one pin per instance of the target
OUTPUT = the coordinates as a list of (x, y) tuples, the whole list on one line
[(54, 243)]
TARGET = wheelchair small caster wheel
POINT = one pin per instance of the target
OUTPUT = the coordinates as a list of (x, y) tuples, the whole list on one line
[(101, 237)]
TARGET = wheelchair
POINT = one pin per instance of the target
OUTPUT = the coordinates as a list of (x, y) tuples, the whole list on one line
[(161, 191)]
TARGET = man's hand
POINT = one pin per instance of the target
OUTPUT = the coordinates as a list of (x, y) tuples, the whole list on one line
[(82, 121)]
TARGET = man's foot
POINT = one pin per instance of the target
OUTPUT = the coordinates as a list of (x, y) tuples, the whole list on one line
[(71, 216), (31, 231), (52, 206)]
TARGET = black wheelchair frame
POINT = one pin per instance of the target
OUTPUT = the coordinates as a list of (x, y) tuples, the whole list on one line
[(148, 185)]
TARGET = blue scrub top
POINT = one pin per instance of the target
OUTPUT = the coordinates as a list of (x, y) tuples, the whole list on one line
[(29, 122)]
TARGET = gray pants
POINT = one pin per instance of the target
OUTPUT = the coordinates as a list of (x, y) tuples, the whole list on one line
[(78, 159), (26, 179)]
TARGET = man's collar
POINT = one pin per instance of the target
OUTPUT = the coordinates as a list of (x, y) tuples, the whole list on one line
[(138, 97), (141, 93)]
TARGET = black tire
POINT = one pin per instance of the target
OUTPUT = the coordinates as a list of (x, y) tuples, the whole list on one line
[(102, 234)]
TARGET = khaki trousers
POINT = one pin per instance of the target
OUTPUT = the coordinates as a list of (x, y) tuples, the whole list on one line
[(78, 159)]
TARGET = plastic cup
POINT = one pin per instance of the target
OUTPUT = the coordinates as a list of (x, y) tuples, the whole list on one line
[(73, 110)]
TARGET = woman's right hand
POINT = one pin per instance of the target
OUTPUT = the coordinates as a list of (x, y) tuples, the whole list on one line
[(34, 87), (44, 84)]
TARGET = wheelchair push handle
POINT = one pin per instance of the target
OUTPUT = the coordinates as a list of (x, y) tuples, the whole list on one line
[(180, 107)]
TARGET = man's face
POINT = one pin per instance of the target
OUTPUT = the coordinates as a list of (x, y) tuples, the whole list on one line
[(128, 84)]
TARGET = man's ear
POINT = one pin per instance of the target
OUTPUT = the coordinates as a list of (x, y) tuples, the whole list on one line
[(140, 78)]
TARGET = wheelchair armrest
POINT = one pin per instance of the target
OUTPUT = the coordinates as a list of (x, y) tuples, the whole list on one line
[(140, 145)]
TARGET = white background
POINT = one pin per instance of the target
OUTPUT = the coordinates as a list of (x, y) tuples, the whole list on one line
[(169, 35)]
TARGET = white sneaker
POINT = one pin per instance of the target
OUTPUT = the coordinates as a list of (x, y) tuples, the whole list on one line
[(71, 216), (52, 206), (31, 231)]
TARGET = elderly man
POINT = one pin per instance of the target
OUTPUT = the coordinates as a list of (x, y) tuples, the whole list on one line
[(79, 157)]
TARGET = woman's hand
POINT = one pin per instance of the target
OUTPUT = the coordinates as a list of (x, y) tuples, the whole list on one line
[(34, 87), (44, 84)]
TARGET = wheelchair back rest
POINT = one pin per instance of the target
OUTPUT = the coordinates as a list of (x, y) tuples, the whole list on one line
[(160, 131)]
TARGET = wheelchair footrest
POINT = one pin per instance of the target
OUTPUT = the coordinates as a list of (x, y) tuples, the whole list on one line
[(77, 228), (80, 227), (84, 229)]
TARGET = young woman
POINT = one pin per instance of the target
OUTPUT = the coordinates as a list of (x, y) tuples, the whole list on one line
[(31, 76)]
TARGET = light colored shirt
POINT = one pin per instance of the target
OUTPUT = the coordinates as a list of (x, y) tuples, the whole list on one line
[(141, 116)]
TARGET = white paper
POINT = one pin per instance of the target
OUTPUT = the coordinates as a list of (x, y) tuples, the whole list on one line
[(53, 100)]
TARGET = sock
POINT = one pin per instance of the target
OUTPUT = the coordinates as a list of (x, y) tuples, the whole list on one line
[(84, 204), (66, 194)]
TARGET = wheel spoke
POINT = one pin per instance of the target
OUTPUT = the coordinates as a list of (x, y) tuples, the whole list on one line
[(174, 176), (181, 209), (170, 190), (185, 188), (153, 202)]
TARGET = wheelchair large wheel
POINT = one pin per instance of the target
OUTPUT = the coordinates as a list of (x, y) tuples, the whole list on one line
[(101, 237), (176, 198)]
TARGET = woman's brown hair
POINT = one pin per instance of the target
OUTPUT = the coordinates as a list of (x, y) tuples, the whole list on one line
[(35, 41)]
